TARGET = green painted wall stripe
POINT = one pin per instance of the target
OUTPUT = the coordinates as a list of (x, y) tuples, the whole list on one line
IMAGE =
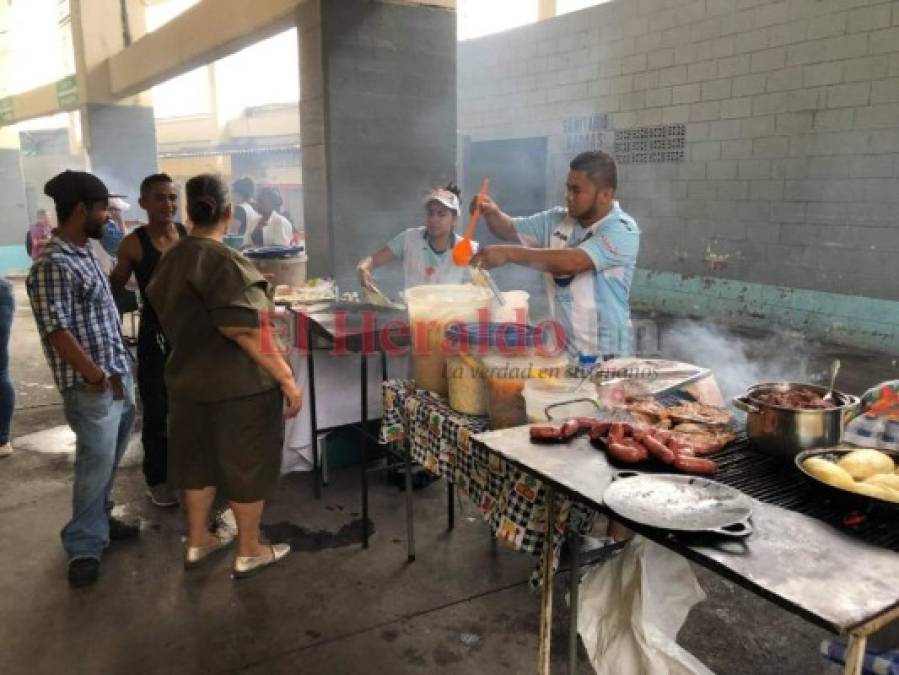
[(14, 259), (857, 321)]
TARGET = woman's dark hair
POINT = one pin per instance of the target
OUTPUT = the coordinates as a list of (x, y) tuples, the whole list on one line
[(452, 187), (207, 198)]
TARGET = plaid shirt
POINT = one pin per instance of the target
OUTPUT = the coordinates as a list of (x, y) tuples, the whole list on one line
[(68, 291)]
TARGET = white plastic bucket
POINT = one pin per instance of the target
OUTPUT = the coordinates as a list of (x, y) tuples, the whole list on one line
[(515, 309), (431, 308)]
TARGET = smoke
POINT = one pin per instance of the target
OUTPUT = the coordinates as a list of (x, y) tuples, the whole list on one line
[(740, 362)]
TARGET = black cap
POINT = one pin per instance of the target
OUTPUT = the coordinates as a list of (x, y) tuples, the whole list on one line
[(72, 187)]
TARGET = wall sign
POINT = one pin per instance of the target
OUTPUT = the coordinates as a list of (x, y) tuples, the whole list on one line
[(67, 93), (587, 132)]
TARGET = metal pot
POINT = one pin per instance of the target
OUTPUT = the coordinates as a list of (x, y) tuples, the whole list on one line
[(784, 432), (288, 271)]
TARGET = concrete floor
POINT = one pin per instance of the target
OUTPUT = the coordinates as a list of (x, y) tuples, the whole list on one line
[(462, 607)]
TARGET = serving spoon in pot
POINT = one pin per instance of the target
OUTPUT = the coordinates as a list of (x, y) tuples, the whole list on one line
[(834, 369)]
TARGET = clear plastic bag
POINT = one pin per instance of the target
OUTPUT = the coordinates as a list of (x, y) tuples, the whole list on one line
[(631, 609)]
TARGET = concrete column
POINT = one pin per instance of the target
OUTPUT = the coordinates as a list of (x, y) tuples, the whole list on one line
[(378, 121), (13, 211), (14, 216), (119, 135)]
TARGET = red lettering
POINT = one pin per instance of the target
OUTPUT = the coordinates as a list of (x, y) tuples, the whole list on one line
[(301, 326), (451, 347), (483, 331), (399, 329), (369, 328), (270, 330), (557, 346), (340, 334)]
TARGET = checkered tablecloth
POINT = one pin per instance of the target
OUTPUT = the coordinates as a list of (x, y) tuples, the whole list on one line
[(511, 501)]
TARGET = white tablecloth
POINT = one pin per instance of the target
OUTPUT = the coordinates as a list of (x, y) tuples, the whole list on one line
[(337, 399)]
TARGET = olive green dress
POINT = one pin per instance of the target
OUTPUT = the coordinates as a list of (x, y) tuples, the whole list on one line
[(225, 424)]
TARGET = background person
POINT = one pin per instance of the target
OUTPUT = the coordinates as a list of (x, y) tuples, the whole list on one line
[(271, 229), (226, 395), (139, 254), (82, 340), (244, 216), (107, 247), (425, 251), (39, 233)]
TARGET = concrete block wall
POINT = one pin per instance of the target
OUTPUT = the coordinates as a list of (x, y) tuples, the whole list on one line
[(791, 171)]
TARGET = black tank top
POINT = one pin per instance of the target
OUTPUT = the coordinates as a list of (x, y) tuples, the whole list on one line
[(143, 271)]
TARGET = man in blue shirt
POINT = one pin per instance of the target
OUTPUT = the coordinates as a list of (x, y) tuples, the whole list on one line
[(587, 251), (82, 340)]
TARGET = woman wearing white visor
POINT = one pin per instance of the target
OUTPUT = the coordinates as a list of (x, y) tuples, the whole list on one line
[(425, 251)]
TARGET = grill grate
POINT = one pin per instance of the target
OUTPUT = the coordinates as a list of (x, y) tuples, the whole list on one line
[(772, 481)]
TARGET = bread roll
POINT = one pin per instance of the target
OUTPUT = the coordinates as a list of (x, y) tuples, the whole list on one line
[(828, 472), (876, 491), (861, 464), (886, 480)]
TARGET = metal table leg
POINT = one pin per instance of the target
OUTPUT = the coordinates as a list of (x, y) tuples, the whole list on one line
[(313, 422), (364, 435), (450, 503), (546, 598), (410, 526), (574, 549), (858, 640), (322, 446)]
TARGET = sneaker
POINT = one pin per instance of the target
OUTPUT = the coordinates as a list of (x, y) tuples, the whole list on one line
[(83, 572), (119, 529), (161, 495), (6, 449), (224, 524)]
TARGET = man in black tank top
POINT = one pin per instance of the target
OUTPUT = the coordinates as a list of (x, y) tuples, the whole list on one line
[(139, 254)]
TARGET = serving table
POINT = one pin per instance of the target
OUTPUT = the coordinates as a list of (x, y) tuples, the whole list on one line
[(839, 576)]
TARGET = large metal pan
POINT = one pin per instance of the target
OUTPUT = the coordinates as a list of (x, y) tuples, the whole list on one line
[(681, 503), (783, 432), (852, 499)]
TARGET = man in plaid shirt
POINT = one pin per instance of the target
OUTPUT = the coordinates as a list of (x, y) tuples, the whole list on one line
[(82, 340)]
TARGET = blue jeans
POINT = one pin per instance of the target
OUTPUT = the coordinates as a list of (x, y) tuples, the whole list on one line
[(7, 392), (102, 427)]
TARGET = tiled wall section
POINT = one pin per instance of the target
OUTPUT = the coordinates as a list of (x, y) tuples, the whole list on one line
[(869, 323), (792, 130)]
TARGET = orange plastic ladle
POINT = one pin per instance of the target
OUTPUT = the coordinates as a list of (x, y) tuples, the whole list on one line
[(463, 251)]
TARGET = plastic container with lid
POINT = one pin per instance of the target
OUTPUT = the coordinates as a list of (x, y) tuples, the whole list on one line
[(506, 377), (571, 397), (471, 342), (514, 310), (431, 308)]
